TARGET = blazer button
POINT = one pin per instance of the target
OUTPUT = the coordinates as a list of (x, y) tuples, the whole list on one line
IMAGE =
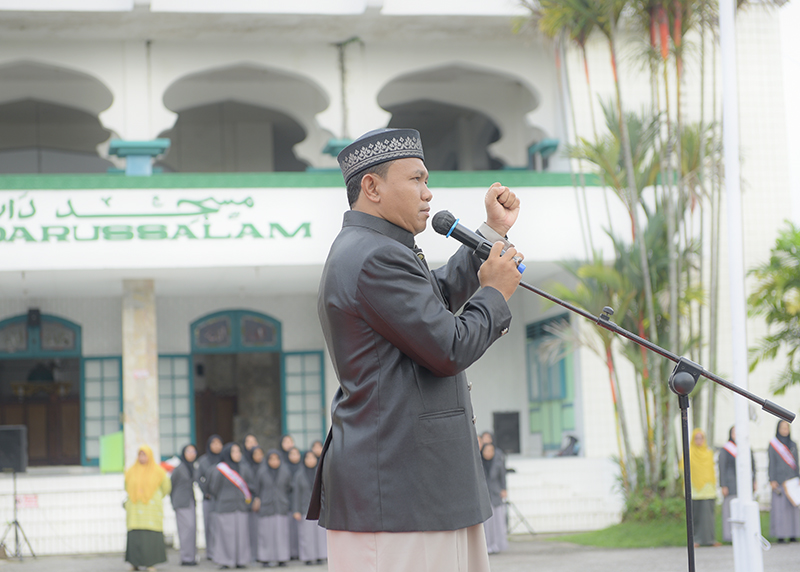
[(504, 331), (474, 419), (469, 385)]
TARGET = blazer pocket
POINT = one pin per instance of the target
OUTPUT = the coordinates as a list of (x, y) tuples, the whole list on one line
[(441, 426)]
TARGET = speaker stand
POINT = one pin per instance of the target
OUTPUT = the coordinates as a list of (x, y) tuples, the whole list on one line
[(17, 528), (519, 516)]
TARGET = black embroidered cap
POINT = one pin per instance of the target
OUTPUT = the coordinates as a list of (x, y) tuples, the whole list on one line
[(377, 147)]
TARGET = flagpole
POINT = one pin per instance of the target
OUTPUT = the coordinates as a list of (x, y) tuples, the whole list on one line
[(745, 518)]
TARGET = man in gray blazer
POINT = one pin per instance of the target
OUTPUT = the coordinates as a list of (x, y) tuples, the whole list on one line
[(400, 485)]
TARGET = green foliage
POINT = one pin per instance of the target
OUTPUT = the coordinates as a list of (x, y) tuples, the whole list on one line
[(697, 150), (577, 18), (647, 505), (627, 263), (651, 534), (777, 299), (607, 158), (633, 535)]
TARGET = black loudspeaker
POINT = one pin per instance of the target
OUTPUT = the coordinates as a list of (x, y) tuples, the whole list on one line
[(506, 431), (13, 448), (34, 318)]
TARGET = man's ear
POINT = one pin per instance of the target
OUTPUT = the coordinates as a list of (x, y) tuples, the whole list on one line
[(369, 187)]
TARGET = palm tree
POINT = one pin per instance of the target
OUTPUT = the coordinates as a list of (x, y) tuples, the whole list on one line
[(606, 14), (598, 285), (606, 155), (697, 144), (557, 20), (659, 424)]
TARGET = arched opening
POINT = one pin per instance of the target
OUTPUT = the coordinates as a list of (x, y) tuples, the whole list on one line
[(245, 383), (244, 118), (232, 136), (456, 138), (49, 120), (41, 387), (470, 118)]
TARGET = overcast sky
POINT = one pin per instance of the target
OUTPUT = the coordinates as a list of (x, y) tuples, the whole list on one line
[(790, 43)]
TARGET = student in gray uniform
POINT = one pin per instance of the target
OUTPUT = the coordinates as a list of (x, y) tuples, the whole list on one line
[(287, 442), (251, 449), (495, 528), (727, 480), (312, 541), (232, 501), (488, 437), (182, 497), (205, 465), (294, 464), (273, 494), (784, 517)]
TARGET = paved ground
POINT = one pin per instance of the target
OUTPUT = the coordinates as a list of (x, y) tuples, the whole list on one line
[(525, 554)]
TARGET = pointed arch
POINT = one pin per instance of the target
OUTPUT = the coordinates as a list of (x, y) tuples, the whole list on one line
[(480, 113), (245, 117)]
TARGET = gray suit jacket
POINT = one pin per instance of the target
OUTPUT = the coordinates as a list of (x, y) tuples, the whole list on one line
[(182, 495), (496, 481), (727, 470), (301, 491), (204, 469), (276, 496), (226, 496), (402, 454), (779, 470)]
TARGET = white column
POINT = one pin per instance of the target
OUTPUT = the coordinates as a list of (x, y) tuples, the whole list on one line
[(746, 525), (139, 368), (136, 95)]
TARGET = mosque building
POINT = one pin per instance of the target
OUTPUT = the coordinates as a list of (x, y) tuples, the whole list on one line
[(169, 191)]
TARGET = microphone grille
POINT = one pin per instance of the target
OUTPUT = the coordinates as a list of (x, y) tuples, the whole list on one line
[(443, 221)]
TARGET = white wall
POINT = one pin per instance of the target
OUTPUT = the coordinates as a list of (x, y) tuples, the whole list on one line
[(99, 318), (139, 75), (81, 512), (297, 314)]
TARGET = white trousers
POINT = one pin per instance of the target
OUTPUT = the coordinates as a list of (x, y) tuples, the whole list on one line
[(461, 550)]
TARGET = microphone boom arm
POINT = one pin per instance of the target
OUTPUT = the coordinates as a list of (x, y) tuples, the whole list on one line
[(696, 370)]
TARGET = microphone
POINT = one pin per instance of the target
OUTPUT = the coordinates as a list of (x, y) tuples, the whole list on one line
[(446, 224)]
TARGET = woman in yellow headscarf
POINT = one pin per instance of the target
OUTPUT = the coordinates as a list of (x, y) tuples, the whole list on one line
[(704, 490), (146, 484)]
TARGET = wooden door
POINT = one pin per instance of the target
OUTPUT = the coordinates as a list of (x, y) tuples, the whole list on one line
[(213, 415)]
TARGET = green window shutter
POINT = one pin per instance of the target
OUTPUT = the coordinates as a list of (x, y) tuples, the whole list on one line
[(550, 384), (101, 404), (175, 404), (304, 397)]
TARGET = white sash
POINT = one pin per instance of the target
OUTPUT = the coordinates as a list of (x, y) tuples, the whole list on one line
[(731, 448), (236, 479), (784, 452)]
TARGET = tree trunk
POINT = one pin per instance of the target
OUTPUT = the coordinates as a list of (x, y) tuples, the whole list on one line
[(634, 198), (562, 96), (581, 175), (713, 300), (633, 201), (619, 418), (594, 131)]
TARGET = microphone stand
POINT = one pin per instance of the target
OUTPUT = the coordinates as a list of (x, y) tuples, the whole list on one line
[(682, 381)]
